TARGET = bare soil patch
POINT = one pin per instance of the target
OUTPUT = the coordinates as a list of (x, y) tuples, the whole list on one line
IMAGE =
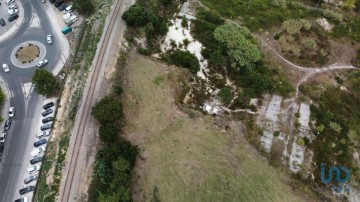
[(27, 53)]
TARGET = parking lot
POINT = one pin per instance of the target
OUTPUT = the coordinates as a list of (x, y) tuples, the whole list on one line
[(4, 9), (33, 152)]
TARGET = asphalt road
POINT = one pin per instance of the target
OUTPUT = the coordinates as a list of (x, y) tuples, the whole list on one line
[(25, 123)]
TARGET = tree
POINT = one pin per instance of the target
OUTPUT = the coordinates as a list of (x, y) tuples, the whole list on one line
[(136, 16), (107, 110), (108, 132), (185, 59), (357, 5), (239, 43), (45, 82), (84, 6)]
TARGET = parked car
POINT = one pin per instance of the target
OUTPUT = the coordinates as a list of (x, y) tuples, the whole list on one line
[(7, 124), (43, 1), (48, 105), (6, 68), (43, 134), (13, 6), (30, 179), (52, 1), (68, 9), (66, 30), (8, 2), (3, 138), (26, 190), (33, 169), (1, 148), (48, 119), (40, 142), (2, 22), (13, 11), (13, 17), (36, 160), (42, 63), (46, 127), (58, 3), (11, 111), (62, 7), (23, 199), (47, 112), (49, 39), (37, 151)]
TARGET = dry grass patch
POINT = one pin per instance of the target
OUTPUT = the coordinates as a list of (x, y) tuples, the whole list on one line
[(27, 53), (189, 159)]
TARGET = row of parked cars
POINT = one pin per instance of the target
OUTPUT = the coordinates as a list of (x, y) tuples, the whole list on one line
[(39, 149), (13, 12), (7, 125)]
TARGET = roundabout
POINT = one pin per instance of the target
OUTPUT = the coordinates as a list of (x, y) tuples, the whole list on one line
[(28, 54)]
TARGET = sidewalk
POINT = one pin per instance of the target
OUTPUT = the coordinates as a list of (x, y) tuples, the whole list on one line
[(18, 23)]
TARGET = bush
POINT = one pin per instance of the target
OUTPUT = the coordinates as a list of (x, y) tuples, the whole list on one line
[(107, 110), (225, 95), (136, 16), (118, 89), (184, 59), (45, 82), (2, 96), (84, 6), (144, 51), (108, 132), (276, 133)]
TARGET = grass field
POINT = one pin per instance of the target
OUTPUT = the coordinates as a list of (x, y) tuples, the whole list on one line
[(184, 156)]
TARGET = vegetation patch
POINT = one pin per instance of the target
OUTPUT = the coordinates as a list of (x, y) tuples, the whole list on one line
[(303, 43), (28, 53)]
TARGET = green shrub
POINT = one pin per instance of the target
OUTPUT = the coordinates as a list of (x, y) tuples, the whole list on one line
[(225, 95), (144, 51), (118, 89), (107, 110), (84, 6), (136, 16), (184, 59), (45, 82), (108, 132), (276, 133)]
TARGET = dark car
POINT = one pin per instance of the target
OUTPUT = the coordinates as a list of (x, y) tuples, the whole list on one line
[(1, 148), (21, 200), (48, 105), (26, 190), (47, 112), (36, 160), (58, 3), (62, 7), (7, 125), (48, 119), (45, 127), (30, 179), (2, 22), (40, 142), (13, 17), (52, 1)]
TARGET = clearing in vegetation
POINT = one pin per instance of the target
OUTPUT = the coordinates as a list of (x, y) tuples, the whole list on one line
[(184, 156)]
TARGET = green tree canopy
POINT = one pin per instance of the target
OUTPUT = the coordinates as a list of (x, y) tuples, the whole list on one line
[(84, 6), (136, 16), (185, 59), (107, 110), (45, 82), (239, 43)]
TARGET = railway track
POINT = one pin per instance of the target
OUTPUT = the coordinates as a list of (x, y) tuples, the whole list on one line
[(65, 196)]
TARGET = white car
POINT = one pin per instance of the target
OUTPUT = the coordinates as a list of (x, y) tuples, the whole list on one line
[(43, 134), (3, 137), (13, 11), (42, 63), (42, 1), (8, 2), (37, 151), (14, 6), (68, 9), (33, 169), (49, 39), (11, 111), (6, 68)]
